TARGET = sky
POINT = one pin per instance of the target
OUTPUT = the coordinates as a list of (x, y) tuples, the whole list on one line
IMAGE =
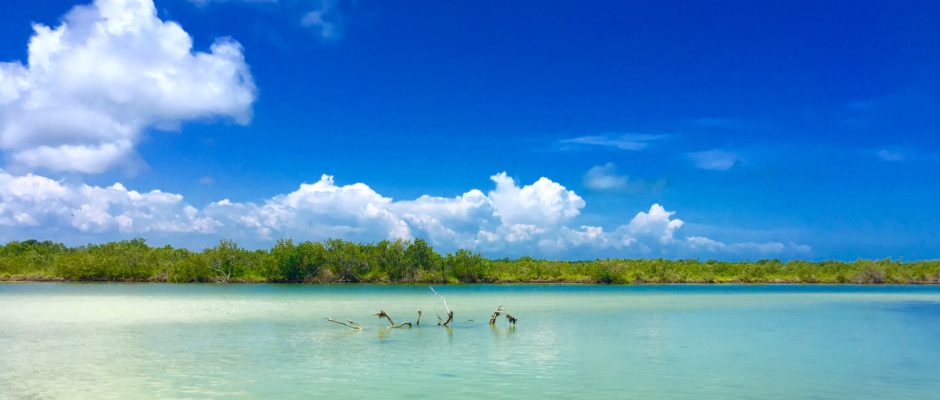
[(676, 129)]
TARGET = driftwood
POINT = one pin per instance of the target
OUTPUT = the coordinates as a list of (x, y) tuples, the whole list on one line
[(392, 324), (502, 311), (381, 314), (348, 323), (450, 314)]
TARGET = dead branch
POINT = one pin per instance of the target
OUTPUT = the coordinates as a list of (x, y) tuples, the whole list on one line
[(392, 324), (383, 314), (500, 310), (348, 323), (442, 322), (418, 322), (450, 314), (442, 298)]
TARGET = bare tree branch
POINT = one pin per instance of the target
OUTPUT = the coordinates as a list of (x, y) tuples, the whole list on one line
[(500, 310), (350, 324), (392, 324), (450, 314), (442, 298)]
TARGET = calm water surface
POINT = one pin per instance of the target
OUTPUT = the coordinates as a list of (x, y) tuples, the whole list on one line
[(126, 341)]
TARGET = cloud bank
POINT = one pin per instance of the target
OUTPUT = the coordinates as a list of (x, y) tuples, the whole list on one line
[(112, 69), (511, 219)]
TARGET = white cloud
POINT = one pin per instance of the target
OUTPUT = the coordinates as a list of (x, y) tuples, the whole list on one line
[(903, 154), (605, 177), (657, 223), (715, 160), (747, 248), (327, 19), (40, 202), (704, 243), (629, 141), (109, 71), (321, 210), (539, 218), (891, 155), (543, 203)]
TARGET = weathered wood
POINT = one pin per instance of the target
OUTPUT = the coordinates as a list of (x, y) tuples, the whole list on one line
[(500, 310), (350, 324), (450, 314), (443, 322), (392, 324)]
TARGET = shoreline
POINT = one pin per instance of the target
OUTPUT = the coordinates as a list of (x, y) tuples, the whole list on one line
[(416, 262), (21, 279)]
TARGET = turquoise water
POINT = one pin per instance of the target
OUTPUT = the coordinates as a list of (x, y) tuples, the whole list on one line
[(124, 341)]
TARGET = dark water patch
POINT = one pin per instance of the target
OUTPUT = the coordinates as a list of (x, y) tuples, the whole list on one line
[(926, 309)]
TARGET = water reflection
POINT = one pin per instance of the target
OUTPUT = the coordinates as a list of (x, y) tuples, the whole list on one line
[(501, 333)]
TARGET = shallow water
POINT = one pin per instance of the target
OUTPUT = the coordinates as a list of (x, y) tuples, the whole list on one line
[(271, 341)]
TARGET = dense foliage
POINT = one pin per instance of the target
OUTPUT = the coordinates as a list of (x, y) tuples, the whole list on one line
[(410, 261)]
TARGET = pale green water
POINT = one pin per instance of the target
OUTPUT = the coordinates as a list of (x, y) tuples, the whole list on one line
[(125, 341)]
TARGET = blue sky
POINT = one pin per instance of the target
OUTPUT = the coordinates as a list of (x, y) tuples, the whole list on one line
[(793, 130)]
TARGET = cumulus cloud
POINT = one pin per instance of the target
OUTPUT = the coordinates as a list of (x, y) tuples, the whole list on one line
[(112, 69), (543, 203), (715, 160), (510, 219), (322, 210), (656, 223), (36, 201)]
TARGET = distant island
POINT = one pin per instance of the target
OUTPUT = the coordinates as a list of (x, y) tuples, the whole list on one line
[(412, 261)]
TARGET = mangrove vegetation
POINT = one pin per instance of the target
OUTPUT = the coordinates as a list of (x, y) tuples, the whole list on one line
[(404, 261)]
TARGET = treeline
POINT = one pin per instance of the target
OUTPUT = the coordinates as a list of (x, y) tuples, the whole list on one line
[(414, 261)]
